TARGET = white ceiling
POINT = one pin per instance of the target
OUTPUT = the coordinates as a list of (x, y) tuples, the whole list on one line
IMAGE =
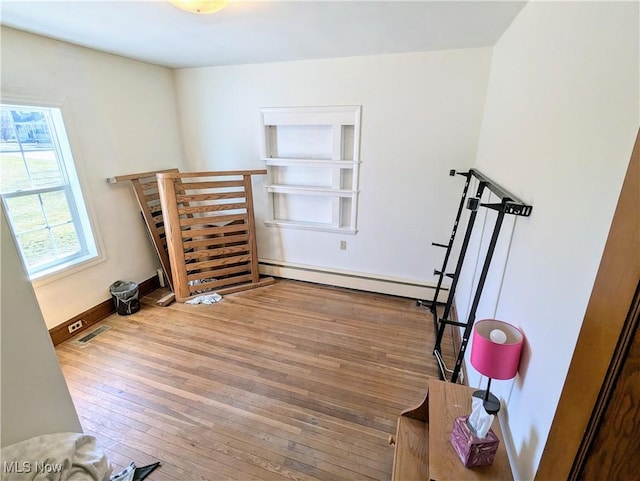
[(263, 31)]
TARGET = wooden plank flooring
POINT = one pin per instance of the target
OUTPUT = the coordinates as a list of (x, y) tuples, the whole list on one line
[(293, 381)]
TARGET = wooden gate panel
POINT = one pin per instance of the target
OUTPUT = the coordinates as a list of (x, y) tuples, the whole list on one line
[(210, 225)]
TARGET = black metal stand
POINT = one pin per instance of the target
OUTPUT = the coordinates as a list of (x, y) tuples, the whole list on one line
[(508, 205), (489, 401)]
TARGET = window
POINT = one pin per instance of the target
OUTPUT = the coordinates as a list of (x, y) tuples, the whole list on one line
[(40, 190)]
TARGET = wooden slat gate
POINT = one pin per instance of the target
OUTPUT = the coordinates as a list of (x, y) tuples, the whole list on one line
[(145, 186), (210, 231)]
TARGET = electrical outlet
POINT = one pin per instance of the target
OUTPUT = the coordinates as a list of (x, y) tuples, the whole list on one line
[(343, 245), (75, 326)]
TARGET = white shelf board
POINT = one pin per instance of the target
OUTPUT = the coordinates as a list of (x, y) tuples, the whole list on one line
[(309, 190), (284, 162), (335, 115), (310, 226)]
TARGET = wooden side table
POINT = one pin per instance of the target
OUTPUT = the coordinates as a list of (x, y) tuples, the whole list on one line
[(422, 447)]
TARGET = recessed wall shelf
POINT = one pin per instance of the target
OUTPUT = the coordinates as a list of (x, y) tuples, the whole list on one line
[(343, 164), (305, 190), (312, 158), (319, 226)]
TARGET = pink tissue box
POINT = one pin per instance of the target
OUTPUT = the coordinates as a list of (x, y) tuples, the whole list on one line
[(473, 451)]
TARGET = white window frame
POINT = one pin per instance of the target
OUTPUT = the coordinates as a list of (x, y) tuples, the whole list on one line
[(90, 238)]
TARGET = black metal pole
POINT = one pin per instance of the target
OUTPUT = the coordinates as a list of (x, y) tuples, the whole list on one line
[(450, 246), (456, 276), (502, 193), (478, 293), (486, 393), (463, 252)]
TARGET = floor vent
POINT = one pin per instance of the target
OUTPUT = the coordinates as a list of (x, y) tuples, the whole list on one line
[(96, 332)]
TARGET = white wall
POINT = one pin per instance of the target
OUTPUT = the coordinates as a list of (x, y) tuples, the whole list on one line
[(561, 116), (35, 399), (420, 117), (121, 118)]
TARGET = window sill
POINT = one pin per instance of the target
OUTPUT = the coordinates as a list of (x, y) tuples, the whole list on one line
[(63, 270)]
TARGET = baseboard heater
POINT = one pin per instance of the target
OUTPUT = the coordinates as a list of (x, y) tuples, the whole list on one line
[(352, 280)]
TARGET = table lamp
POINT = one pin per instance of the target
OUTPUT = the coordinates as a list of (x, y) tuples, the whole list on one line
[(495, 353)]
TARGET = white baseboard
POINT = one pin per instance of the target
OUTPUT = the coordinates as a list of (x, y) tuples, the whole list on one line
[(352, 280)]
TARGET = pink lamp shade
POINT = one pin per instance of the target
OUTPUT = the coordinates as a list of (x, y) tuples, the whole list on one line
[(496, 349)]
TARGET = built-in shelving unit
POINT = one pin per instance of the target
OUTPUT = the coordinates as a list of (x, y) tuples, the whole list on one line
[(312, 156)]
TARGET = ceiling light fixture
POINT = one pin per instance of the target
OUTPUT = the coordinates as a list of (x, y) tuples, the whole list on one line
[(200, 6)]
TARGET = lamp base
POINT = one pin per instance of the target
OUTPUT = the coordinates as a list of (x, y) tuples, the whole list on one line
[(490, 402)]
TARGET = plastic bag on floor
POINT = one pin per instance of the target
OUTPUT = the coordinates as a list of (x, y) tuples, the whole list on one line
[(205, 299)]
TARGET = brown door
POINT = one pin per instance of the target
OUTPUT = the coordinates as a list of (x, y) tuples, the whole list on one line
[(614, 452), (598, 409)]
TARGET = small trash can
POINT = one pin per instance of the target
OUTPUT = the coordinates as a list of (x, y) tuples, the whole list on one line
[(125, 297)]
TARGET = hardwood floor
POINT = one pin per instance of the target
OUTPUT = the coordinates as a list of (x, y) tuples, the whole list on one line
[(292, 381)]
